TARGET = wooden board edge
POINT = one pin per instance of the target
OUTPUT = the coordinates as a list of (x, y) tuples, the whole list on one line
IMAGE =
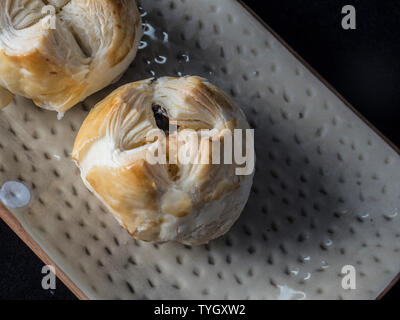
[(16, 226)]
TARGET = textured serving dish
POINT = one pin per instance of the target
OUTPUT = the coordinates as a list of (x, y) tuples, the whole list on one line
[(326, 191)]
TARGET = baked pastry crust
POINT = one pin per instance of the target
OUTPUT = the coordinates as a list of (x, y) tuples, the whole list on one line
[(93, 43), (188, 203)]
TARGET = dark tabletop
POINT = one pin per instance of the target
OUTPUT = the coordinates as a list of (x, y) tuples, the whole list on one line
[(362, 64)]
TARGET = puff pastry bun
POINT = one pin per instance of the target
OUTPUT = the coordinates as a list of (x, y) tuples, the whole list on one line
[(188, 203), (91, 43)]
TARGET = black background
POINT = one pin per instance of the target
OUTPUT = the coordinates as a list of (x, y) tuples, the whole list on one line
[(362, 64)]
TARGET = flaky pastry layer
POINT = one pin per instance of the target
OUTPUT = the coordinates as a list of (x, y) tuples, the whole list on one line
[(59, 52), (191, 203)]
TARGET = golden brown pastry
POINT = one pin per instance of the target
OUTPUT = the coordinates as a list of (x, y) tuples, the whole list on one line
[(190, 202), (59, 59)]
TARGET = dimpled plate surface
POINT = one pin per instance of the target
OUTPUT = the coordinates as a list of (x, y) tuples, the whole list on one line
[(325, 195)]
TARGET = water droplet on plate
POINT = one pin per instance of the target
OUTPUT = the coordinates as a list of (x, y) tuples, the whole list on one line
[(393, 214), (307, 276), (15, 194), (166, 37), (149, 31), (143, 44), (294, 272), (160, 59), (364, 216), (287, 293), (142, 11), (186, 57), (60, 115), (324, 264), (183, 58)]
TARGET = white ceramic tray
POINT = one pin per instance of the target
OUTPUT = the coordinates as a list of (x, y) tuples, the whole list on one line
[(326, 190)]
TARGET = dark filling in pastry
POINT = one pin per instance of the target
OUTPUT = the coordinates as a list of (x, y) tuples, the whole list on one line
[(161, 117), (162, 122)]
